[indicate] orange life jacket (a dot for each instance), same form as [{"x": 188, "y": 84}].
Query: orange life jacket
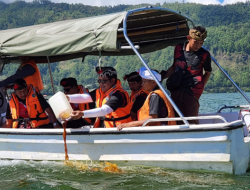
[
  {"x": 121, "y": 115},
  {"x": 144, "y": 111},
  {"x": 35, "y": 79},
  {"x": 36, "y": 114},
  {"x": 83, "y": 106},
  {"x": 135, "y": 95}
]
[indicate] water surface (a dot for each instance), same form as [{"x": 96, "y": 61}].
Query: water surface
[
  {"x": 211, "y": 102},
  {"x": 55, "y": 175}
]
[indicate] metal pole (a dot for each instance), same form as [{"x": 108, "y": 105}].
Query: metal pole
[
  {"x": 231, "y": 80},
  {"x": 51, "y": 79},
  {"x": 145, "y": 64}
]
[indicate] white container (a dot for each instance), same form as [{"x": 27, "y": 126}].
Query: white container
[{"x": 60, "y": 106}]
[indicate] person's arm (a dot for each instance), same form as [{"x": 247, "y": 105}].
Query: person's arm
[
  {"x": 170, "y": 71},
  {"x": 46, "y": 107},
  {"x": 21, "y": 73},
  {"x": 52, "y": 117},
  {"x": 133, "y": 115},
  {"x": 115, "y": 101},
  {"x": 137, "y": 123},
  {"x": 206, "y": 77},
  {"x": 155, "y": 103},
  {"x": 137, "y": 105},
  {"x": 79, "y": 98},
  {"x": 97, "y": 112},
  {"x": 207, "y": 69},
  {"x": 8, "y": 123}
]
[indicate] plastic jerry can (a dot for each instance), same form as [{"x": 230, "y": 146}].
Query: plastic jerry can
[{"x": 60, "y": 106}]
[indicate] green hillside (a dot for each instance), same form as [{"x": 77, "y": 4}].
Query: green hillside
[{"x": 228, "y": 40}]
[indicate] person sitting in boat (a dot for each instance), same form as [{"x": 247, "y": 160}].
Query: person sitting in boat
[
  {"x": 28, "y": 71},
  {"x": 138, "y": 94},
  {"x": 112, "y": 101},
  {"x": 191, "y": 57},
  {"x": 28, "y": 109},
  {"x": 156, "y": 104},
  {"x": 70, "y": 86}
]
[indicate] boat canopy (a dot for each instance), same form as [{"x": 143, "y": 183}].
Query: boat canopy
[{"x": 149, "y": 29}]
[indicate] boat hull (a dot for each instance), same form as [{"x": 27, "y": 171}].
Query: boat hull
[{"x": 213, "y": 149}]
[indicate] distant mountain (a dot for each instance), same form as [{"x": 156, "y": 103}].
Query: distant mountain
[{"x": 228, "y": 40}]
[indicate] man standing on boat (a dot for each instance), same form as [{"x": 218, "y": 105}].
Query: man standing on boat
[
  {"x": 28, "y": 71},
  {"x": 156, "y": 104},
  {"x": 138, "y": 94},
  {"x": 195, "y": 61},
  {"x": 28, "y": 109},
  {"x": 70, "y": 86},
  {"x": 112, "y": 101}
]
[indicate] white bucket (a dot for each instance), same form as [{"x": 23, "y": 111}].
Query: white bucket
[{"x": 60, "y": 106}]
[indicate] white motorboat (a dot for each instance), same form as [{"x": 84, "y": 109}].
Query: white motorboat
[{"x": 216, "y": 144}]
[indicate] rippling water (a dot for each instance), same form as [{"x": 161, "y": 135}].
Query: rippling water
[
  {"x": 211, "y": 102},
  {"x": 23, "y": 175},
  {"x": 56, "y": 175}
]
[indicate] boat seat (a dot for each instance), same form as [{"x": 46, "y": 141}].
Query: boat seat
[{"x": 230, "y": 116}]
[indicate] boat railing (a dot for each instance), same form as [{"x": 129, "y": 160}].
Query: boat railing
[
  {"x": 186, "y": 118},
  {"x": 232, "y": 107}
]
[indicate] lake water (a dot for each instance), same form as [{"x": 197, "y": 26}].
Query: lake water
[
  {"x": 15, "y": 174},
  {"x": 211, "y": 102}
]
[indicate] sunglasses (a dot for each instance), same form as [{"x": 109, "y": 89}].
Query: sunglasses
[
  {"x": 102, "y": 81},
  {"x": 66, "y": 89}
]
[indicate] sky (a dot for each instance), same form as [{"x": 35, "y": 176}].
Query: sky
[{"x": 132, "y": 2}]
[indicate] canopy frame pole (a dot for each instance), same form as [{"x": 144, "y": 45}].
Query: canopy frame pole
[
  {"x": 230, "y": 79},
  {"x": 145, "y": 64},
  {"x": 100, "y": 59},
  {"x": 51, "y": 78}
]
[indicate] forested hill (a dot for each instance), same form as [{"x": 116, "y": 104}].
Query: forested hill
[{"x": 228, "y": 40}]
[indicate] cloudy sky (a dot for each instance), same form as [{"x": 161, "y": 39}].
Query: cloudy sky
[{"x": 115, "y": 2}]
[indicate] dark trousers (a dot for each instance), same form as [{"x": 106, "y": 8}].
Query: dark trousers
[{"x": 187, "y": 103}]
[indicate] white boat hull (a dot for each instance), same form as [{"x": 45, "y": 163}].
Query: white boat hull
[{"x": 207, "y": 147}]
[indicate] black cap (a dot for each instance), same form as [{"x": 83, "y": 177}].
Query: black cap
[
  {"x": 134, "y": 76},
  {"x": 20, "y": 84},
  {"x": 68, "y": 82},
  {"x": 109, "y": 72}
]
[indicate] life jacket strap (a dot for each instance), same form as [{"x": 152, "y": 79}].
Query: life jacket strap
[
  {"x": 37, "y": 118},
  {"x": 21, "y": 119},
  {"x": 116, "y": 119}
]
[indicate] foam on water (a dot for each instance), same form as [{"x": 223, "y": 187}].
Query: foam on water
[{"x": 10, "y": 162}]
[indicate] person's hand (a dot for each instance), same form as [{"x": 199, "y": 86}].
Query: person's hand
[
  {"x": 67, "y": 97},
  {"x": 121, "y": 126},
  {"x": 76, "y": 115},
  {"x": 57, "y": 126},
  {"x": 163, "y": 74}
]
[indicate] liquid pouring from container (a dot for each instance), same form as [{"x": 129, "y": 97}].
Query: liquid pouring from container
[
  {"x": 64, "y": 123},
  {"x": 62, "y": 109}
]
